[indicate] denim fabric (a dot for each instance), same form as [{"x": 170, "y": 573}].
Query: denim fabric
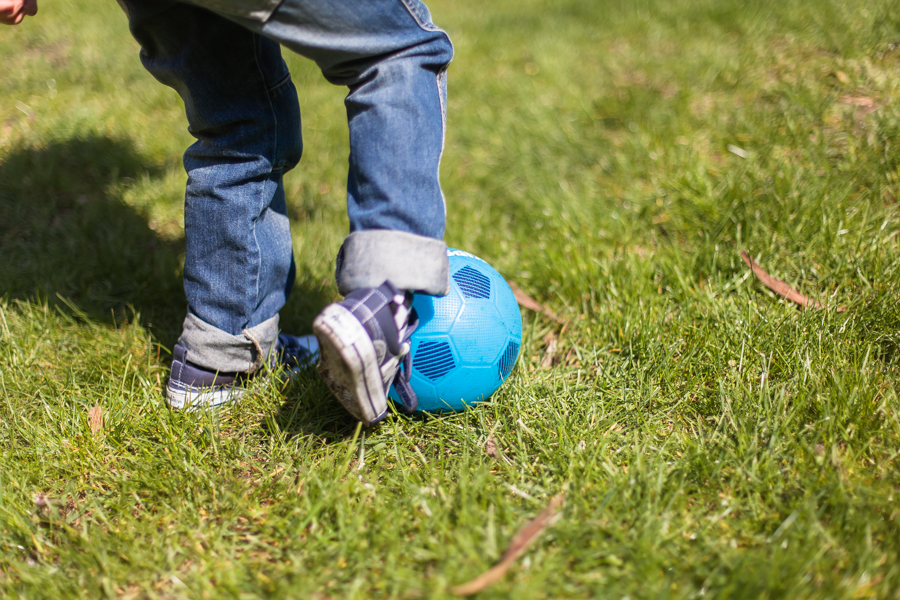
[
  {"x": 429, "y": 273},
  {"x": 393, "y": 60},
  {"x": 213, "y": 349},
  {"x": 224, "y": 60},
  {"x": 258, "y": 10}
]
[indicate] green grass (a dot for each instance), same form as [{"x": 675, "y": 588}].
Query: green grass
[{"x": 713, "y": 440}]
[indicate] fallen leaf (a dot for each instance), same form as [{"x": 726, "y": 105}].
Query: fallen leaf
[
  {"x": 780, "y": 287},
  {"x": 43, "y": 507},
  {"x": 863, "y": 101},
  {"x": 95, "y": 419},
  {"x": 547, "y": 360},
  {"x": 530, "y": 303},
  {"x": 737, "y": 151},
  {"x": 517, "y": 547},
  {"x": 490, "y": 448}
]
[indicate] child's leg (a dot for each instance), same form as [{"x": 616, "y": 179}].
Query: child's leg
[
  {"x": 245, "y": 117},
  {"x": 243, "y": 110},
  {"x": 393, "y": 59},
  {"x": 394, "y": 62}
]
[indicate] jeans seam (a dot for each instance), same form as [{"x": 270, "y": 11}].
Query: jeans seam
[
  {"x": 281, "y": 83},
  {"x": 274, "y": 150},
  {"x": 413, "y": 11},
  {"x": 224, "y": 8},
  {"x": 278, "y": 166},
  {"x": 257, "y": 362},
  {"x": 441, "y": 76}
]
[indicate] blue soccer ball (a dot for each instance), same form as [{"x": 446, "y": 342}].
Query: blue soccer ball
[{"x": 468, "y": 341}]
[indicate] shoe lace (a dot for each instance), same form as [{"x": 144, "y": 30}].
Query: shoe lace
[
  {"x": 290, "y": 354},
  {"x": 407, "y": 321}
]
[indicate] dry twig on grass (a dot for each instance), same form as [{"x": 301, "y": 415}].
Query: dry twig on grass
[
  {"x": 490, "y": 448},
  {"x": 516, "y": 548},
  {"x": 863, "y": 101},
  {"x": 526, "y": 301},
  {"x": 547, "y": 360},
  {"x": 781, "y": 288},
  {"x": 95, "y": 419},
  {"x": 551, "y": 341}
]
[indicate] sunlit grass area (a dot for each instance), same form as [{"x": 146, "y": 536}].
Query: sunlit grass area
[{"x": 612, "y": 158}]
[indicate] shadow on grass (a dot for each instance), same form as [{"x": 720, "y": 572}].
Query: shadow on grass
[
  {"x": 66, "y": 236},
  {"x": 310, "y": 410},
  {"x": 65, "y": 232}
]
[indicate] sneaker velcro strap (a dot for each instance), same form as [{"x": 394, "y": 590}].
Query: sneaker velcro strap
[{"x": 407, "y": 394}]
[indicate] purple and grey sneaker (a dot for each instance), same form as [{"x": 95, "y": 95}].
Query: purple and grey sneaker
[
  {"x": 192, "y": 387},
  {"x": 363, "y": 341}
]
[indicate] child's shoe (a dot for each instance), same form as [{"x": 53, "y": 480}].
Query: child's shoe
[
  {"x": 363, "y": 339},
  {"x": 194, "y": 387}
]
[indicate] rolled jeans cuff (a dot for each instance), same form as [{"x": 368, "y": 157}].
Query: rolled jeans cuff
[
  {"x": 211, "y": 348},
  {"x": 409, "y": 261}
]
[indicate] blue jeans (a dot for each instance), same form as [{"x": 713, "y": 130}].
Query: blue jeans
[{"x": 223, "y": 57}]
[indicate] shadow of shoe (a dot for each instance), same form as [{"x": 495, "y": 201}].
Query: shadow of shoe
[{"x": 309, "y": 410}]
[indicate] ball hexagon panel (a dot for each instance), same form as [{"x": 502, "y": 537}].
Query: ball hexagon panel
[
  {"x": 479, "y": 333},
  {"x": 455, "y": 391},
  {"x": 468, "y": 341},
  {"x": 473, "y": 283},
  {"x": 508, "y": 307},
  {"x": 434, "y": 359},
  {"x": 437, "y": 316}
]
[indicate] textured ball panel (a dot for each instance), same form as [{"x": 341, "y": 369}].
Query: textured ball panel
[
  {"x": 473, "y": 283},
  {"x": 508, "y": 360},
  {"x": 434, "y": 359},
  {"x": 456, "y": 390},
  {"x": 508, "y": 307},
  {"x": 437, "y": 317},
  {"x": 468, "y": 341},
  {"x": 479, "y": 333}
]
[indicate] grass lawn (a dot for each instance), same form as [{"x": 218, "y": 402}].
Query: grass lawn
[{"x": 611, "y": 157}]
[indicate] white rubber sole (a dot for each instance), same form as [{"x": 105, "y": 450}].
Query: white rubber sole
[
  {"x": 190, "y": 400},
  {"x": 349, "y": 365}
]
